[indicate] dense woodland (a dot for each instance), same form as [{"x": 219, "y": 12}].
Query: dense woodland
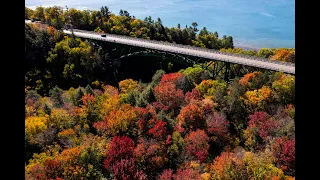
[
  {"x": 124, "y": 24},
  {"x": 84, "y": 122}
]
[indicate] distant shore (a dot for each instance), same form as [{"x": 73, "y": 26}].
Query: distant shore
[
  {"x": 252, "y": 25},
  {"x": 246, "y": 47},
  {"x": 252, "y": 47}
]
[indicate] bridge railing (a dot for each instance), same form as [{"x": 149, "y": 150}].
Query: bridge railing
[{"x": 191, "y": 47}]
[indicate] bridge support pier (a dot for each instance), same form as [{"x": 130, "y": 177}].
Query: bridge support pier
[
  {"x": 227, "y": 71},
  {"x": 221, "y": 70}
]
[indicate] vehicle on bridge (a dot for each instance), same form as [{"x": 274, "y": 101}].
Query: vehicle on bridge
[{"x": 201, "y": 53}]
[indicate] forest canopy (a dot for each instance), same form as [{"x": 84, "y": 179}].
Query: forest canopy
[
  {"x": 156, "y": 131},
  {"x": 105, "y": 21},
  {"x": 85, "y": 120}
]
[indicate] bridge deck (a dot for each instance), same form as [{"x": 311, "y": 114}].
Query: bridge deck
[{"x": 263, "y": 63}]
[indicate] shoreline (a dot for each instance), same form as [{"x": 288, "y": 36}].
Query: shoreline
[
  {"x": 246, "y": 47},
  {"x": 249, "y": 47},
  {"x": 240, "y": 43}
]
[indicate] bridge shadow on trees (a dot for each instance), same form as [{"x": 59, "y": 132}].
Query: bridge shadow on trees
[{"x": 143, "y": 67}]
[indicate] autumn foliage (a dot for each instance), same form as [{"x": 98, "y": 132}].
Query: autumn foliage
[
  {"x": 261, "y": 129},
  {"x": 169, "y": 95},
  {"x": 186, "y": 172},
  {"x": 283, "y": 54},
  {"x": 190, "y": 124},
  {"x": 118, "y": 121},
  {"x": 213, "y": 130},
  {"x": 194, "y": 95},
  {"x": 256, "y": 98},
  {"x": 245, "y": 81},
  {"x": 127, "y": 85},
  {"x": 228, "y": 166},
  {"x": 120, "y": 147},
  {"x": 285, "y": 88},
  {"x": 197, "y": 145},
  {"x": 284, "y": 150},
  {"x": 171, "y": 77},
  {"x": 158, "y": 131},
  {"x": 210, "y": 87},
  {"x": 166, "y": 175},
  {"x": 218, "y": 126},
  {"x": 190, "y": 118}
]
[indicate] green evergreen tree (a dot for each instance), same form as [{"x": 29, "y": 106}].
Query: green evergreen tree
[
  {"x": 156, "y": 78},
  {"x": 56, "y": 96},
  {"x": 78, "y": 96},
  {"x": 89, "y": 90},
  {"x": 47, "y": 109},
  {"x": 33, "y": 95}
]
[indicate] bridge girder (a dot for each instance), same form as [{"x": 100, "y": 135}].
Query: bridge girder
[
  {"x": 222, "y": 70},
  {"x": 261, "y": 63}
]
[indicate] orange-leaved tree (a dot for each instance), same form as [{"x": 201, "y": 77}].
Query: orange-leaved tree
[
  {"x": 118, "y": 121},
  {"x": 190, "y": 118}
]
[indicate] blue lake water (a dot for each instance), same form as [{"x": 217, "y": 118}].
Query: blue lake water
[{"x": 251, "y": 23}]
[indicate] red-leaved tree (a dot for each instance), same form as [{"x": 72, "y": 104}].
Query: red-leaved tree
[
  {"x": 166, "y": 175},
  {"x": 125, "y": 169},
  {"x": 194, "y": 95},
  {"x": 197, "y": 145},
  {"x": 261, "y": 129},
  {"x": 150, "y": 156},
  {"x": 187, "y": 173},
  {"x": 169, "y": 95},
  {"x": 264, "y": 124},
  {"x": 37, "y": 171},
  {"x": 284, "y": 150},
  {"x": 218, "y": 125},
  {"x": 120, "y": 147},
  {"x": 53, "y": 168},
  {"x": 171, "y": 77},
  {"x": 159, "y": 130}
]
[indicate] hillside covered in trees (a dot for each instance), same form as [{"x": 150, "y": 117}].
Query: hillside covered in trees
[
  {"x": 105, "y": 21},
  {"x": 54, "y": 59},
  {"x": 83, "y": 120},
  {"x": 179, "y": 126}
]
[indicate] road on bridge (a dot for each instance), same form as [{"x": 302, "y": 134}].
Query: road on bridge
[{"x": 187, "y": 50}]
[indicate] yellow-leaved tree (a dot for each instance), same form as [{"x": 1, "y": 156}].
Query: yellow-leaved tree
[
  {"x": 285, "y": 89},
  {"x": 35, "y": 125},
  {"x": 256, "y": 98}
]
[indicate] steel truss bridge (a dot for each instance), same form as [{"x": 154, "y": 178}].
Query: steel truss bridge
[{"x": 228, "y": 63}]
